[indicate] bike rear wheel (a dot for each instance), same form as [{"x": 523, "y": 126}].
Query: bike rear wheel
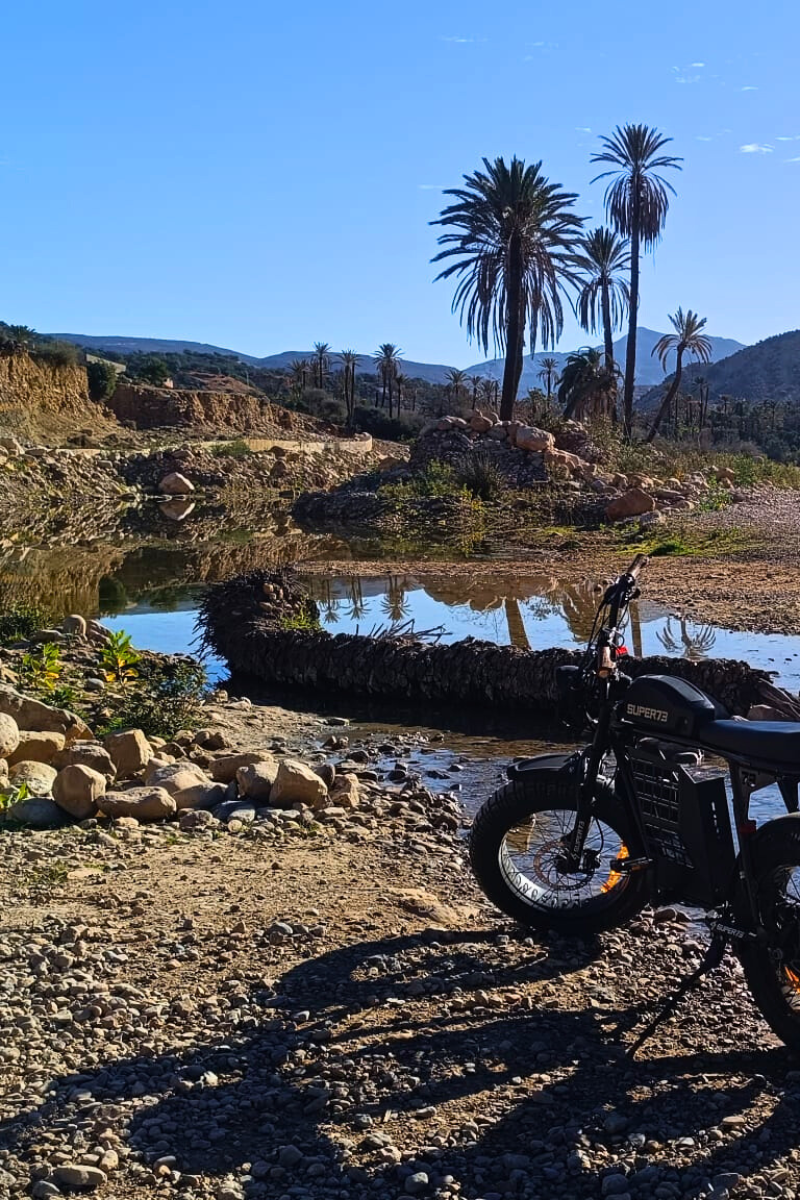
[
  {"x": 516, "y": 841},
  {"x": 773, "y": 970}
]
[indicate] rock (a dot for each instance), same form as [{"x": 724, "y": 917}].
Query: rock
[
  {"x": 73, "y": 1175},
  {"x": 765, "y": 712},
  {"x": 94, "y": 686},
  {"x": 297, "y": 784},
  {"x": 77, "y": 789},
  {"x": 416, "y": 1183},
  {"x": 223, "y": 770},
  {"x": 36, "y": 747},
  {"x": 256, "y": 779},
  {"x": 37, "y": 812},
  {"x": 38, "y": 777},
  {"x": 187, "y": 784},
  {"x": 9, "y": 735},
  {"x": 632, "y": 503},
  {"x": 528, "y": 437},
  {"x": 725, "y": 474},
  {"x": 346, "y": 791},
  {"x": 192, "y": 819},
  {"x": 143, "y": 803},
  {"x": 175, "y": 484},
  {"x": 649, "y": 520},
  {"x": 33, "y": 714},
  {"x": 177, "y": 508},
  {"x": 614, "y": 1185},
  {"x": 130, "y": 751},
  {"x": 479, "y": 423},
  {"x": 86, "y": 754},
  {"x": 289, "y": 1156},
  {"x": 615, "y": 1123},
  {"x": 74, "y": 626}
]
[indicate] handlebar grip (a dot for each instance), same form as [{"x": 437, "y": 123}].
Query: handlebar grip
[{"x": 638, "y": 564}]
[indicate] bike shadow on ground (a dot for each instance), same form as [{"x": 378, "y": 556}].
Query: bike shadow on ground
[{"x": 513, "y": 1097}]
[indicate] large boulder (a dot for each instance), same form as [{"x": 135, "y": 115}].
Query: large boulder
[
  {"x": 143, "y": 803},
  {"x": 297, "y": 784},
  {"x": 346, "y": 792},
  {"x": 130, "y": 751},
  {"x": 77, "y": 790},
  {"x": 255, "y": 781},
  {"x": 9, "y": 735},
  {"x": 176, "y": 484},
  {"x": 479, "y": 423},
  {"x": 37, "y": 812},
  {"x": 188, "y": 785},
  {"x": 33, "y": 714},
  {"x": 37, "y": 777},
  {"x": 36, "y": 747},
  {"x": 86, "y": 754},
  {"x": 223, "y": 770},
  {"x": 528, "y": 437},
  {"x": 632, "y": 503}
]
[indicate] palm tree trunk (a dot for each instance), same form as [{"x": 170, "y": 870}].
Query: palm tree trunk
[
  {"x": 607, "y": 334},
  {"x": 630, "y": 353},
  {"x": 517, "y": 634},
  {"x": 670, "y": 396},
  {"x": 515, "y": 330}
]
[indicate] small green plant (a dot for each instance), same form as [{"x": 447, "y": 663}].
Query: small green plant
[
  {"x": 237, "y": 449},
  {"x": 41, "y": 668},
  {"x": 13, "y": 794},
  {"x": 63, "y": 696},
  {"x": 304, "y": 619},
  {"x": 165, "y": 697},
  {"x": 715, "y": 499},
  {"x": 119, "y": 659},
  {"x": 19, "y": 622}
]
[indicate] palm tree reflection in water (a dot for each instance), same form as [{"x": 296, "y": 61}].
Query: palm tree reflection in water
[{"x": 693, "y": 645}]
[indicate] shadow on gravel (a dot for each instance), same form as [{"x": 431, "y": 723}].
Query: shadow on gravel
[{"x": 313, "y": 1095}]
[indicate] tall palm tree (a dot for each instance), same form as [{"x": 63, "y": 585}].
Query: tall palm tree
[
  {"x": 401, "y": 380},
  {"x": 548, "y": 373},
  {"x": 637, "y": 204},
  {"x": 687, "y": 338},
  {"x": 588, "y": 386},
  {"x": 511, "y": 249},
  {"x": 349, "y": 361},
  {"x": 387, "y": 360},
  {"x": 321, "y": 354},
  {"x": 456, "y": 380},
  {"x": 604, "y": 296},
  {"x": 488, "y": 390},
  {"x": 476, "y": 381}
]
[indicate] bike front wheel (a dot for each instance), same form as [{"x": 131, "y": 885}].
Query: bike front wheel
[{"x": 517, "y": 842}]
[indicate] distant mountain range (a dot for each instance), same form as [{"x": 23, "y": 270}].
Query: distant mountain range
[{"x": 648, "y": 369}]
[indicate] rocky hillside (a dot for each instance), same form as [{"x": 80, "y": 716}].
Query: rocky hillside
[
  {"x": 770, "y": 370},
  {"x": 215, "y": 413},
  {"x": 46, "y": 399}
]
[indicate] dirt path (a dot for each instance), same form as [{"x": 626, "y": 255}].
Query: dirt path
[{"x": 342, "y": 1016}]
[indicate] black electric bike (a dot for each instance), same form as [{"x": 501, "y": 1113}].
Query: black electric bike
[{"x": 580, "y": 843}]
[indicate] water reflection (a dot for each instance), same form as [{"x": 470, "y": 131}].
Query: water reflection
[{"x": 688, "y": 640}]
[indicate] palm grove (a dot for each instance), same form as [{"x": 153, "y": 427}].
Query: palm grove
[{"x": 517, "y": 251}]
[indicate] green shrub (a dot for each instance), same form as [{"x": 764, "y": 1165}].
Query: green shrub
[
  {"x": 480, "y": 476},
  {"x": 19, "y": 622},
  {"x": 41, "y": 667},
  {"x": 165, "y": 697},
  {"x": 119, "y": 660},
  {"x": 237, "y": 449},
  {"x": 390, "y": 429},
  {"x": 102, "y": 378}
]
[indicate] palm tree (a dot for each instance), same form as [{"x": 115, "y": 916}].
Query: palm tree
[
  {"x": 548, "y": 373},
  {"x": 456, "y": 380},
  {"x": 688, "y": 336},
  {"x": 401, "y": 381},
  {"x": 511, "y": 248},
  {"x": 637, "y": 204},
  {"x": 321, "y": 353},
  {"x": 476, "y": 381},
  {"x": 299, "y": 368},
  {"x": 387, "y": 360},
  {"x": 349, "y": 361},
  {"x": 488, "y": 390},
  {"x": 604, "y": 297},
  {"x": 588, "y": 386}
]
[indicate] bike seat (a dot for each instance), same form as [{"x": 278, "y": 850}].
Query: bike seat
[{"x": 775, "y": 741}]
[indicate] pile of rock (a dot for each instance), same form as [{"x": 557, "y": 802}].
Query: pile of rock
[{"x": 53, "y": 771}]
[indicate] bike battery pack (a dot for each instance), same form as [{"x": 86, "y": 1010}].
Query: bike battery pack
[
  {"x": 663, "y": 704},
  {"x": 687, "y": 825}
]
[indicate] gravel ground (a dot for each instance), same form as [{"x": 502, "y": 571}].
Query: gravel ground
[{"x": 338, "y": 1014}]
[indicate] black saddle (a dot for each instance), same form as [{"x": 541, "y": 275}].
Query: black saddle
[{"x": 775, "y": 742}]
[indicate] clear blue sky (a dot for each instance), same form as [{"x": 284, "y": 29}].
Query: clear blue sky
[{"x": 261, "y": 174}]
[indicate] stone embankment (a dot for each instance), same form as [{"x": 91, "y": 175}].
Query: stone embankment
[{"x": 262, "y": 625}]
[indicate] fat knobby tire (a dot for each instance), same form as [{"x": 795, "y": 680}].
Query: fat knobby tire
[{"x": 509, "y": 806}]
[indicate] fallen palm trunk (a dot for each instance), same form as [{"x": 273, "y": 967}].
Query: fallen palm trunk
[{"x": 265, "y": 625}]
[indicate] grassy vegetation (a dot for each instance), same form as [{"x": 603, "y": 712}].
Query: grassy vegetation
[{"x": 235, "y": 449}]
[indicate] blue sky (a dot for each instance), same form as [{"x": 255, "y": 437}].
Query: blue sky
[{"x": 262, "y": 175}]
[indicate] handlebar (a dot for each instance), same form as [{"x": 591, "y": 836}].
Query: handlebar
[{"x": 638, "y": 564}]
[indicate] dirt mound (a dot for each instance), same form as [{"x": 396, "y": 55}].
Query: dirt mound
[{"x": 45, "y": 400}]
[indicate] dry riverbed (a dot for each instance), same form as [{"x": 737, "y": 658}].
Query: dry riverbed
[{"x": 332, "y": 1011}]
